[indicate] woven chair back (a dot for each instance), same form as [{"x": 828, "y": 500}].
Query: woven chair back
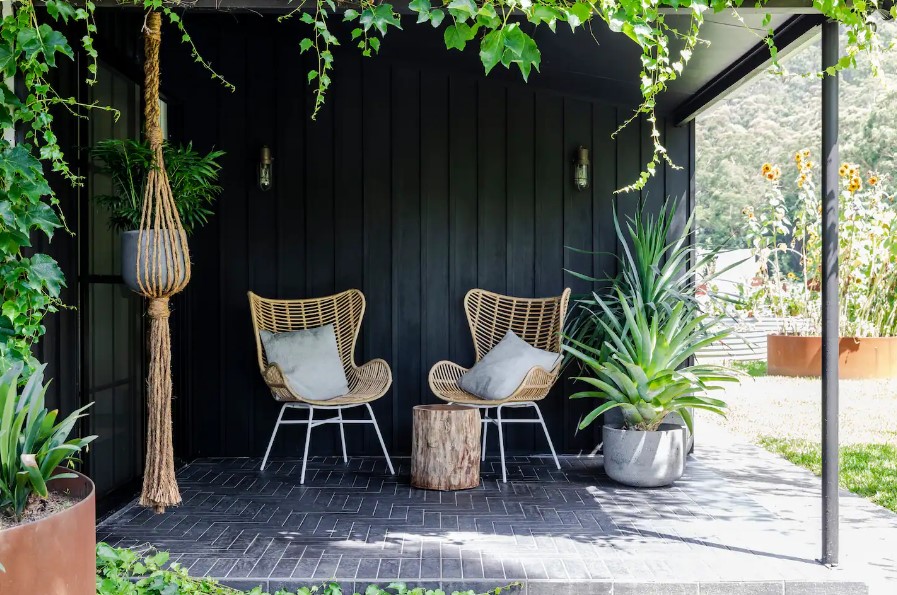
[
  {"x": 343, "y": 310},
  {"x": 538, "y": 321}
]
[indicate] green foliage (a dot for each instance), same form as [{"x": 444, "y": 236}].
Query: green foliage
[
  {"x": 868, "y": 470},
  {"x": 867, "y": 251},
  {"x": 753, "y": 368},
  {"x": 192, "y": 177},
  {"x": 646, "y": 331},
  {"x": 771, "y": 117},
  {"x": 32, "y": 443},
  {"x": 117, "y": 567}
]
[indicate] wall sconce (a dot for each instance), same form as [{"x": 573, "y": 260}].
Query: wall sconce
[
  {"x": 266, "y": 169},
  {"x": 581, "y": 169}
]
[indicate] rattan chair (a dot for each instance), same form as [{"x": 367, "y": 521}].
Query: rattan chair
[
  {"x": 490, "y": 316},
  {"x": 367, "y": 383}
]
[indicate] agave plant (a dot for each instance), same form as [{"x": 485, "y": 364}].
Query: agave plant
[
  {"x": 32, "y": 444},
  {"x": 635, "y": 343},
  {"x": 661, "y": 269}
]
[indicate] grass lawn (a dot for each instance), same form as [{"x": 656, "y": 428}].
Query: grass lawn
[
  {"x": 783, "y": 415},
  {"x": 868, "y": 470}
]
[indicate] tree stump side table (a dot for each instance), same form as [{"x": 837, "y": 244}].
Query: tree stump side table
[{"x": 445, "y": 447}]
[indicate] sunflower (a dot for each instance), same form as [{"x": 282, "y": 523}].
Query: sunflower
[
  {"x": 801, "y": 180},
  {"x": 792, "y": 276},
  {"x": 747, "y": 211},
  {"x": 798, "y": 157},
  {"x": 767, "y": 167},
  {"x": 806, "y": 153},
  {"x": 809, "y": 164},
  {"x": 842, "y": 171},
  {"x": 873, "y": 180},
  {"x": 854, "y": 184}
]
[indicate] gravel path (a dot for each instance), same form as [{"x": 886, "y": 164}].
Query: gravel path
[{"x": 790, "y": 408}]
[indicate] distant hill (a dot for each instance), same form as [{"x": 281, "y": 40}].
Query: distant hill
[{"x": 772, "y": 117}]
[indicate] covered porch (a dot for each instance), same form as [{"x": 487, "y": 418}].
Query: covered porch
[{"x": 419, "y": 180}]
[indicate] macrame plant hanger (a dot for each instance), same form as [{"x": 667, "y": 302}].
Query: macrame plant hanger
[{"x": 163, "y": 269}]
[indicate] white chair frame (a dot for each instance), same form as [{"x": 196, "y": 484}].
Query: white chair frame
[
  {"x": 498, "y": 421},
  {"x": 311, "y": 422}
]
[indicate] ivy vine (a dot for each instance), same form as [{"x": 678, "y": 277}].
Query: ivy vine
[{"x": 32, "y": 44}]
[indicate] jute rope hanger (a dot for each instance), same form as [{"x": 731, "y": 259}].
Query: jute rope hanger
[{"x": 163, "y": 269}]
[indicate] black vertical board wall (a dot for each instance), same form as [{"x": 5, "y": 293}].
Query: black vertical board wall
[{"x": 415, "y": 184}]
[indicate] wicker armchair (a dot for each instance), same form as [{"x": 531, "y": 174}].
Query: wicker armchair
[
  {"x": 367, "y": 383},
  {"x": 490, "y": 315}
]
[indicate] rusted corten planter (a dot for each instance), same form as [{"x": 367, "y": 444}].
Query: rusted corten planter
[
  {"x": 57, "y": 554},
  {"x": 870, "y": 357}
]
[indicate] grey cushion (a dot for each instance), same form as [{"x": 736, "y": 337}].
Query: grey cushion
[
  {"x": 309, "y": 360},
  {"x": 501, "y": 371}
]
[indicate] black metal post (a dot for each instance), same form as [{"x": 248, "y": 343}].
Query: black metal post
[{"x": 830, "y": 332}]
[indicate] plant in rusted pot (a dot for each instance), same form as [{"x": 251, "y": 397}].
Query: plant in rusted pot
[
  {"x": 46, "y": 510},
  {"x": 788, "y": 246}
]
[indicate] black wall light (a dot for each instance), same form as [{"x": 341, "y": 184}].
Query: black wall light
[
  {"x": 266, "y": 169},
  {"x": 581, "y": 169}
]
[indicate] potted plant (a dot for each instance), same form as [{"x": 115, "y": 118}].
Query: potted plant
[
  {"x": 788, "y": 247},
  {"x": 638, "y": 362},
  {"x": 193, "y": 178},
  {"x": 47, "y": 512}
]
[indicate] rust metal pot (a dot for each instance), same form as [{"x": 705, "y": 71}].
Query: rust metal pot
[
  {"x": 868, "y": 357},
  {"x": 57, "y": 554}
]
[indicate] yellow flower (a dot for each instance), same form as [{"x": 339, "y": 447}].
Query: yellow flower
[
  {"x": 810, "y": 164},
  {"x": 806, "y": 153},
  {"x": 802, "y": 180},
  {"x": 747, "y": 211},
  {"x": 853, "y": 171},
  {"x": 842, "y": 171},
  {"x": 792, "y": 276},
  {"x": 798, "y": 157},
  {"x": 873, "y": 180},
  {"x": 854, "y": 184},
  {"x": 767, "y": 167}
]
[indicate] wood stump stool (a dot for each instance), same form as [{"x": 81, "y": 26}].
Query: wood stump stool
[{"x": 445, "y": 447}]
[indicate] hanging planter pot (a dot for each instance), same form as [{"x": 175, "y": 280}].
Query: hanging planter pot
[{"x": 146, "y": 261}]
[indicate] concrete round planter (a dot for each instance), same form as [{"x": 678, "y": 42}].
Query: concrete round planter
[
  {"x": 129, "y": 264},
  {"x": 869, "y": 357},
  {"x": 645, "y": 459},
  {"x": 57, "y": 554}
]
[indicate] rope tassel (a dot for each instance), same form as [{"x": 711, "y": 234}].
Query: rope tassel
[
  {"x": 160, "y": 488},
  {"x": 163, "y": 269}
]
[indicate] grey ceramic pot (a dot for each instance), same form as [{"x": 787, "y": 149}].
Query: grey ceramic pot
[
  {"x": 614, "y": 417},
  {"x": 129, "y": 264},
  {"x": 645, "y": 459}
]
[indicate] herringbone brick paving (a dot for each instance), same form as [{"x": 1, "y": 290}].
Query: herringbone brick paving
[{"x": 355, "y": 522}]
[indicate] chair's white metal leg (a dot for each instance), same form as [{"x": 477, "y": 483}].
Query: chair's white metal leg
[
  {"x": 342, "y": 435},
  {"x": 547, "y": 437},
  {"x": 273, "y": 434},
  {"x": 311, "y": 416},
  {"x": 501, "y": 446},
  {"x": 485, "y": 423},
  {"x": 380, "y": 438}
]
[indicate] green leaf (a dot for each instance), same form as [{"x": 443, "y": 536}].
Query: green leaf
[
  {"x": 456, "y": 36},
  {"x": 305, "y": 45},
  {"x": 350, "y": 14},
  {"x": 436, "y": 17},
  {"x": 491, "y": 49},
  {"x": 422, "y": 8},
  {"x": 462, "y": 9}
]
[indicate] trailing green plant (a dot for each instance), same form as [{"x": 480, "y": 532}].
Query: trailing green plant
[
  {"x": 192, "y": 176},
  {"x": 128, "y": 572},
  {"x": 32, "y": 444},
  {"x": 647, "y": 328},
  {"x": 497, "y": 28}
]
